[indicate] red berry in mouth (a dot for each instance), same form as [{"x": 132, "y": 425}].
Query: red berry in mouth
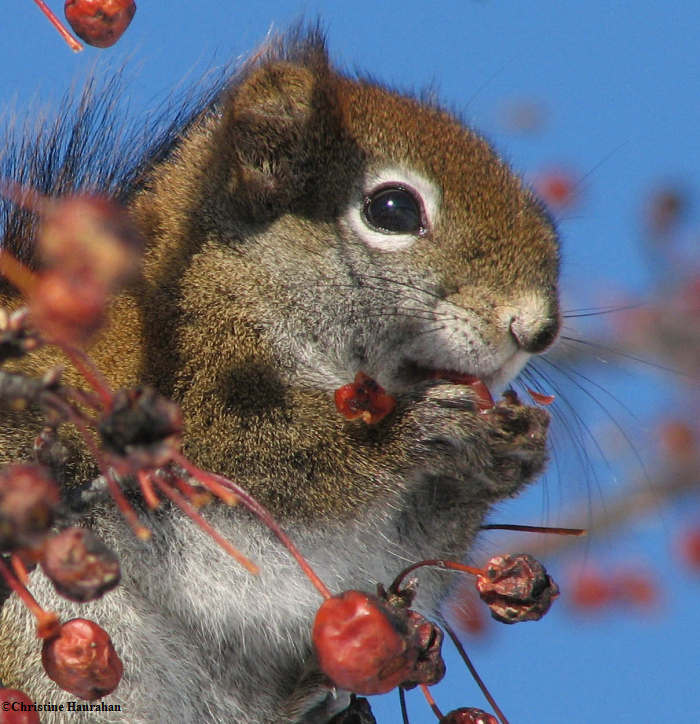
[
  {"x": 99, "y": 22},
  {"x": 484, "y": 400},
  {"x": 82, "y": 660},
  {"x": 364, "y": 398}
]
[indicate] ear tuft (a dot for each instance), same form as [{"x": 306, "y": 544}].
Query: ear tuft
[
  {"x": 279, "y": 94},
  {"x": 276, "y": 123}
]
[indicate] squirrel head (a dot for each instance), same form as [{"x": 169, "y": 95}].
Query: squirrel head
[{"x": 353, "y": 228}]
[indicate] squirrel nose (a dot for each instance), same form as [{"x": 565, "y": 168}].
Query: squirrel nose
[{"x": 534, "y": 335}]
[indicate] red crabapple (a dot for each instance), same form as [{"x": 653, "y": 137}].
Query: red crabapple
[
  {"x": 16, "y": 708},
  {"x": 99, "y": 22},
  {"x": 82, "y": 660}
]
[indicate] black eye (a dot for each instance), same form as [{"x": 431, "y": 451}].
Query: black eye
[{"x": 394, "y": 210}]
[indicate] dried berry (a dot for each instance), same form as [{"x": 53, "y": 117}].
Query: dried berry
[
  {"x": 80, "y": 565},
  {"x": 516, "y": 588},
  {"x": 28, "y": 499},
  {"x": 468, "y": 716},
  {"x": 82, "y": 660},
  {"x": 690, "y": 548},
  {"x": 142, "y": 425},
  {"x": 427, "y": 638},
  {"x": 665, "y": 208},
  {"x": 68, "y": 308},
  {"x": 52, "y": 453},
  {"x": 524, "y": 115},
  {"x": 90, "y": 235},
  {"x": 557, "y": 187},
  {"x": 99, "y": 22},
  {"x": 16, "y": 708},
  {"x": 16, "y": 336},
  {"x": 635, "y": 587},
  {"x": 678, "y": 438},
  {"x": 364, "y": 398},
  {"x": 590, "y": 589}
]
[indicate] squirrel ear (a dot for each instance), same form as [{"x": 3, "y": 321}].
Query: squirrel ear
[{"x": 278, "y": 121}]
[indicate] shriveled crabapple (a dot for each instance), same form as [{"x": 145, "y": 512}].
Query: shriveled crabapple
[
  {"x": 16, "y": 708},
  {"x": 81, "y": 567},
  {"x": 99, "y": 22},
  {"x": 427, "y": 638},
  {"x": 468, "y": 715},
  {"x": 590, "y": 589},
  {"x": 28, "y": 500},
  {"x": 664, "y": 209},
  {"x": 67, "y": 308},
  {"x": 81, "y": 660},
  {"x": 16, "y": 335},
  {"x": 557, "y": 187},
  {"x": 516, "y": 588},
  {"x": 368, "y": 646},
  {"x": 689, "y": 548},
  {"x": 90, "y": 235},
  {"x": 143, "y": 426}
]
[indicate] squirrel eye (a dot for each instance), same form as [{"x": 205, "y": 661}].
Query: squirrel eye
[{"x": 394, "y": 210}]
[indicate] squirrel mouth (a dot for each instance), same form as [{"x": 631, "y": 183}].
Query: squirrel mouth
[{"x": 484, "y": 400}]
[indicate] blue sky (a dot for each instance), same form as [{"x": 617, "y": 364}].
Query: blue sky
[{"x": 621, "y": 82}]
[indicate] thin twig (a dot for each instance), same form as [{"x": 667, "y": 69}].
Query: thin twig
[
  {"x": 73, "y": 44},
  {"x": 474, "y": 673}
]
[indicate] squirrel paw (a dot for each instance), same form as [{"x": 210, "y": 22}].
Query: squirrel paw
[{"x": 445, "y": 435}]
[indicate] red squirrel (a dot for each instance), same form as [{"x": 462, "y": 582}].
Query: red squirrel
[{"x": 304, "y": 226}]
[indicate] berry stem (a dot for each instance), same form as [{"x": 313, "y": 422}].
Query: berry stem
[
  {"x": 140, "y": 530},
  {"x": 473, "y": 672},
  {"x": 259, "y": 510},
  {"x": 86, "y": 367},
  {"x": 76, "y": 418},
  {"x": 47, "y": 621},
  {"x": 196, "y": 496},
  {"x": 146, "y": 484},
  {"x": 19, "y": 569},
  {"x": 535, "y": 529},
  {"x": 429, "y": 698},
  {"x": 207, "y": 480},
  {"x": 435, "y": 563},
  {"x": 402, "y": 704},
  {"x": 73, "y": 44},
  {"x": 190, "y": 511}
]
